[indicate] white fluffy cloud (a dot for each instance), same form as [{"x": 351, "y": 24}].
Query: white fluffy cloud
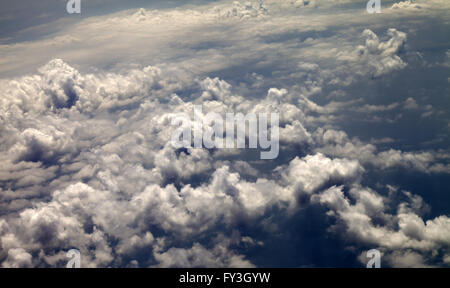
[
  {"x": 134, "y": 181},
  {"x": 86, "y": 155},
  {"x": 399, "y": 235}
]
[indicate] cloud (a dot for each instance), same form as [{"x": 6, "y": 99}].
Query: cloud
[
  {"x": 87, "y": 160},
  {"x": 400, "y": 233},
  {"x": 381, "y": 56},
  {"x": 245, "y": 10},
  {"x": 406, "y": 5},
  {"x": 18, "y": 258},
  {"x": 118, "y": 185},
  {"x": 199, "y": 256},
  {"x": 311, "y": 173}
]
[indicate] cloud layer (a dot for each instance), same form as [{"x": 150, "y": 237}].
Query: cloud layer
[{"x": 87, "y": 160}]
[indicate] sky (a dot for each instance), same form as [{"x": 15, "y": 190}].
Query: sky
[{"x": 86, "y": 102}]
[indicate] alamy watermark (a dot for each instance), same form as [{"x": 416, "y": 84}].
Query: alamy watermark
[
  {"x": 211, "y": 131},
  {"x": 73, "y": 6},
  {"x": 375, "y": 258},
  {"x": 75, "y": 259},
  {"x": 373, "y": 6}
]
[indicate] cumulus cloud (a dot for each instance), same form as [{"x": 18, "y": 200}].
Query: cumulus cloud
[
  {"x": 18, "y": 258},
  {"x": 400, "y": 234},
  {"x": 87, "y": 161},
  {"x": 101, "y": 203},
  {"x": 382, "y": 56},
  {"x": 199, "y": 256},
  {"x": 244, "y": 10},
  {"x": 406, "y": 5}
]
